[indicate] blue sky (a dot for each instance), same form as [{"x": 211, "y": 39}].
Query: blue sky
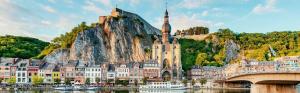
[{"x": 46, "y": 19}]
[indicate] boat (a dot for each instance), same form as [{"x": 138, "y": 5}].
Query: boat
[
  {"x": 78, "y": 87},
  {"x": 163, "y": 85},
  {"x": 91, "y": 88},
  {"x": 63, "y": 88},
  {"x": 161, "y": 91}
]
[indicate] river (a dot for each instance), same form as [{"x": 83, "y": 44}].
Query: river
[{"x": 133, "y": 91}]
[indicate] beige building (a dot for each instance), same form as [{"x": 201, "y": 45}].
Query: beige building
[{"x": 167, "y": 52}]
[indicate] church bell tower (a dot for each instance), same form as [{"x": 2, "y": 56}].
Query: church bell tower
[{"x": 166, "y": 28}]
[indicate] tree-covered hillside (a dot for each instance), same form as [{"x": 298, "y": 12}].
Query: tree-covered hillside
[
  {"x": 21, "y": 47},
  {"x": 211, "y": 51},
  {"x": 194, "y": 31}
]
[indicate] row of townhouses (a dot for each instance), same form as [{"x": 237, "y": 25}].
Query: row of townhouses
[
  {"x": 282, "y": 64},
  {"x": 23, "y": 70}
]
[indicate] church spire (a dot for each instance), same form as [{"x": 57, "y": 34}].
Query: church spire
[
  {"x": 166, "y": 13},
  {"x": 166, "y": 28},
  {"x": 166, "y": 18}
]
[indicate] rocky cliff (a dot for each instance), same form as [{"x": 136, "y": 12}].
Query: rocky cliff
[
  {"x": 232, "y": 50},
  {"x": 121, "y": 36}
]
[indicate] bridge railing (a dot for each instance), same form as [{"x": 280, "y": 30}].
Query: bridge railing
[{"x": 257, "y": 72}]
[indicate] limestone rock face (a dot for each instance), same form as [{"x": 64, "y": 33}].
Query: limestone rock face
[
  {"x": 116, "y": 39},
  {"x": 232, "y": 50},
  {"x": 58, "y": 56}
]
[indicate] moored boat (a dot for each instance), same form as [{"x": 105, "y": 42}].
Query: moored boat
[
  {"x": 91, "y": 88},
  {"x": 63, "y": 88},
  {"x": 78, "y": 87},
  {"x": 163, "y": 85}
]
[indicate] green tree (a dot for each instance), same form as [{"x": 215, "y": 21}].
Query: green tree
[
  {"x": 37, "y": 80},
  {"x": 145, "y": 79},
  {"x": 201, "y": 59},
  {"x": 184, "y": 82},
  {"x": 125, "y": 82},
  {"x": 64, "y": 41},
  {"x": 67, "y": 81},
  {"x": 57, "y": 81},
  {"x": 118, "y": 82},
  {"x": 202, "y": 81},
  {"x": 109, "y": 81},
  {"x": 97, "y": 80},
  {"x": 147, "y": 52},
  {"x": 193, "y": 82},
  {"x": 20, "y": 47},
  {"x": 87, "y": 81},
  {"x": 136, "y": 82},
  {"x": 1, "y": 79},
  {"x": 12, "y": 80}
]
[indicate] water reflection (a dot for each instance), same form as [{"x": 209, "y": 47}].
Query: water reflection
[
  {"x": 131, "y": 91},
  {"x": 221, "y": 91}
]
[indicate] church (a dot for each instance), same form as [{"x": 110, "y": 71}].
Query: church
[{"x": 166, "y": 50}]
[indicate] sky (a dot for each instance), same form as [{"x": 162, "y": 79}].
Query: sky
[{"x": 46, "y": 19}]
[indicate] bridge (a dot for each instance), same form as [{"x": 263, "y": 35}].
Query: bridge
[{"x": 266, "y": 82}]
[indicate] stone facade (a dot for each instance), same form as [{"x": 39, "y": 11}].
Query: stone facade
[{"x": 167, "y": 52}]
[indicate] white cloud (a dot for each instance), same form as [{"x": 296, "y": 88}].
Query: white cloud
[
  {"x": 12, "y": 25},
  {"x": 215, "y": 12},
  {"x": 105, "y": 2},
  {"x": 204, "y": 13},
  {"x": 134, "y": 2},
  {"x": 219, "y": 25},
  {"x": 90, "y": 6},
  {"x": 267, "y": 8},
  {"x": 49, "y": 9},
  {"x": 19, "y": 21},
  {"x": 63, "y": 24},
  {"x": 46, "y": 22},
  {"x": 193, "y": 3},
  {"x": 131, "y": 2},
  {"x": 182, "y": 21}
]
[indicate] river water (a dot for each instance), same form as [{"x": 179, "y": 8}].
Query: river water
[{"x": 133, "y": 91}]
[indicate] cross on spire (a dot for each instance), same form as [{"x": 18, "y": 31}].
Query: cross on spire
[{"x": 166, "y": 4}]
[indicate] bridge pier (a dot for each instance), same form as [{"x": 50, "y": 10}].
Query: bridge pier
[{"x": 273, "y": 88}]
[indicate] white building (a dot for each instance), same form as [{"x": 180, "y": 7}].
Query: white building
[
  {"x": 93, "y": 73},
  {"x": 122, "y": 71},
  {"x": 21, "y": 72}
]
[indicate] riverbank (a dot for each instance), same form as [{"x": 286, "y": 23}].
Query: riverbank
[
  {"x": 108, "y": 88},
  {"x": 224, "y": 88},
  {"x": 127, "y": 91}
]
